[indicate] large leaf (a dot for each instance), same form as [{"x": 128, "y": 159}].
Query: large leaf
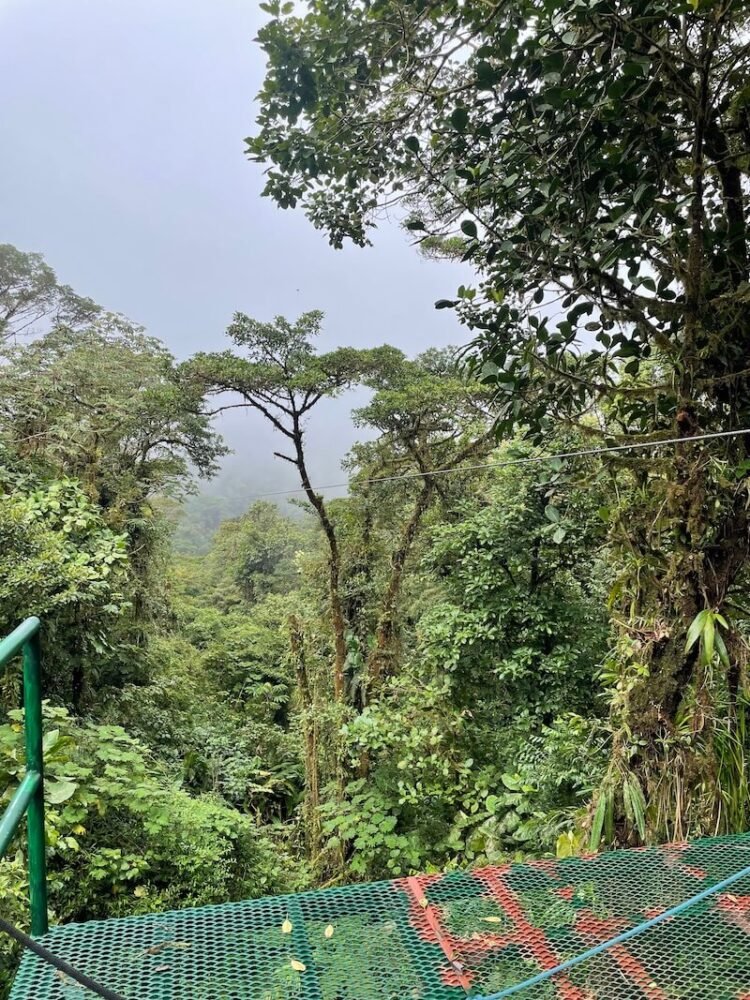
[
  {"x": 59, "y": 791},
  {"x": 598, "y": 824},
  {"x": 695, "y": 630}
]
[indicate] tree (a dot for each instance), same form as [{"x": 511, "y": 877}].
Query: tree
[
  {"x": 59, "y": 560},
  {"x": 103, "y": 404},
  {"x": 101, "y": 407},
  {"x": 283, "y": 378},
  {"x": 589, "y": 158},
  {"x": 489, "y": 718},
  {"x": 30, "y": 294},
  {"x": 431, "y": 420},
  {"x": 256, "y": 551}
]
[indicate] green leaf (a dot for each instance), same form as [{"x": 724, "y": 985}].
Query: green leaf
[
  {"x": 60, "y": 791},
  {"x": 50, "y": 739},
  {"x": 460, "y": 119},
  {"x": 721, "y": 649},
  {"x": 635, "y": 804},
  {"x": 695, "y": 630},
  {"x": 552, "y": 513},
  {"x": 486, "y": 75},
  {"x": 598, "y": 825},
  {"x": 412, "y": 143},
  {"x": 469, "y": 228},
  {"x": 709, "y": 635},
  {"x": 559, "y": 536}
]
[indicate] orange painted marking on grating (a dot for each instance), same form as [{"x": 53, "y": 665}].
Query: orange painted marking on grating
[
  {"x": 459, "y": 951},
  {"x": 698, "y": 873},
  {"x": 456, "y": 975},
  {"x": 530, "y": 936},
  {"x": 602, "y": 930},
  {"x": 736, "y": 909}
]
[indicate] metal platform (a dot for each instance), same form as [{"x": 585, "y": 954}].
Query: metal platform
[{"x": 436, "y": 937}]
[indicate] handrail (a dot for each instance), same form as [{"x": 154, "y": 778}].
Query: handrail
[{"x": 29, "y": 796}]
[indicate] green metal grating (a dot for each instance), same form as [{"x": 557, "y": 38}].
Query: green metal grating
[{"x": 437, "y": 937}]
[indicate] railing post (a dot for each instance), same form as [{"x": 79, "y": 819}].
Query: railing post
[{"x": 32, "y": 699}]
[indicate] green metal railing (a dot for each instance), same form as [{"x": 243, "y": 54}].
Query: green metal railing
[{"x": 29, "y": 796}]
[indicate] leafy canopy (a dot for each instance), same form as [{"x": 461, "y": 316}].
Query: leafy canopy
[
  {"x": 589, "y": 158},
  {"x": 30, "y": 295},
  {"x": 280, "y": 373},
  {"x": 103, "y": 404}
]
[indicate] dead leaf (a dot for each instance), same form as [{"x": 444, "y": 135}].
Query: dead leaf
[
  {"x": 298, "y": 966},
  {"x": 424, "y": 902},
  {"x": 492, "y": 920},
  {"x": 286, "y": 927},
  {"x": 162, "y": 968},
  {"x": 328, "y": 932}
]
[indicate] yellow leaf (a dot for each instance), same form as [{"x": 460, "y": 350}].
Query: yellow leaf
[
  {"x": 424, "y": 903},
  {"x": 492, "y": 920},
  {"x": 298, "y": 966},
  {"x": 140, "y": 891},
  {"x": 328, "y": 932},
  {"x": 286, "y": 927}
]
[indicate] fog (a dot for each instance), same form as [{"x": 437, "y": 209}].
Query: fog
[{"x": 123, "y": 163}]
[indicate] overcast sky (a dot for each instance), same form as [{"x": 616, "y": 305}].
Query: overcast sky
[{"x": 123, "y": 163}]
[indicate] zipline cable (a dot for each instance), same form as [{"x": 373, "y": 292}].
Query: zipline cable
[
  {"x": 58, "y": 963},
  {"x": 526, "y": 460},
  {"x": 571, "y": 963}
]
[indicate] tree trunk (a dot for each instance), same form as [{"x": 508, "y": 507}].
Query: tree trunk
[
  {"x": 670, "y": 706},
  {"x": 310, "y": 731},
  {"x": 381, "y": 656},
  {"x": 338, "y": 622}
]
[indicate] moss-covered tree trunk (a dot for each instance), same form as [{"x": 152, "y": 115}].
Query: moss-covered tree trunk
[
  {"x": 310, "y": 738},
  {"x": 676, "y": 705}
]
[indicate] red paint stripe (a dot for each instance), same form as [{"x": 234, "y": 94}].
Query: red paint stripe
[
  {"x": 637, "y": 973},
  {"x": 601, "y": 930},
  {"x": 428, "y": 914},
  {"x": 533, "y": 938}
]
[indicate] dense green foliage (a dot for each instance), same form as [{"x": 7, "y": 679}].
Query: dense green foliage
[
  {"x": 363, "y": 686},
  {"x": 590, "y": 159},
  {"x": 476, "y": 653}
]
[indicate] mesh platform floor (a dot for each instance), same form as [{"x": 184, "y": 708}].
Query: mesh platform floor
[{"x": 436, "y": 937}]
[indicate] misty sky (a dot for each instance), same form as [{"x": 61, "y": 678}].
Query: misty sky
[{"x": 122, "y": 162}]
